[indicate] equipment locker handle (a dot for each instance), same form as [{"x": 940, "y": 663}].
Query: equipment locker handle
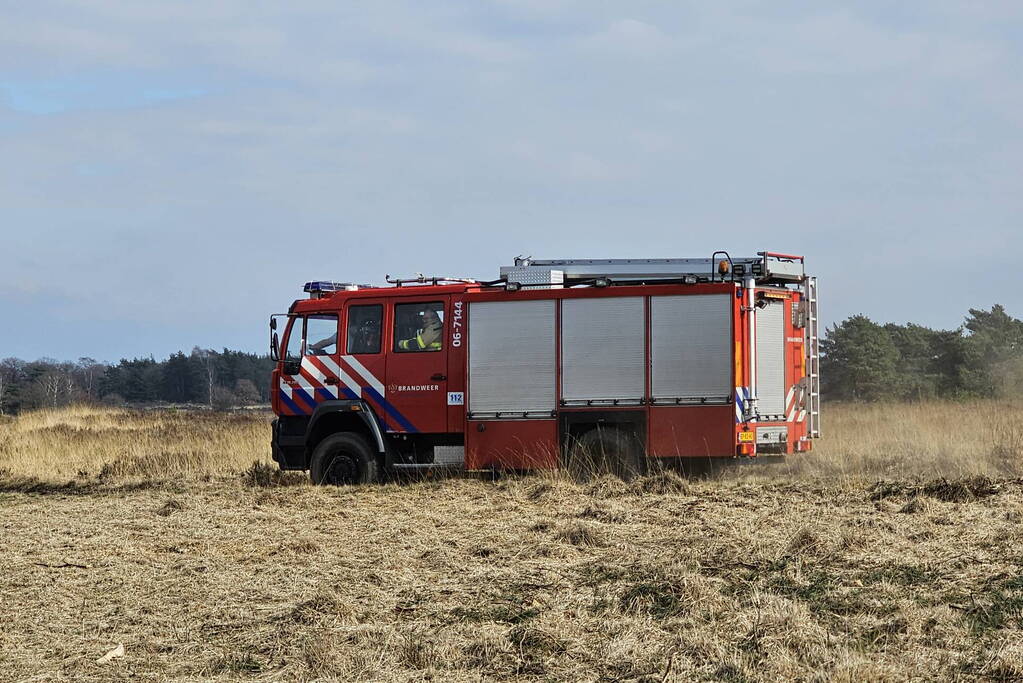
[{"x": 438, "y": 377}]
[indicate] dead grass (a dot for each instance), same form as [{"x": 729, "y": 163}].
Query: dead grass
[
  {"x": 84, "y": 442},
  {"x": 916, "y": 440},
  {"x": 158, "y": 531}
]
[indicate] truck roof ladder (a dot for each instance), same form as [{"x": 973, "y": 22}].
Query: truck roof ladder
[
  {"x": 813, "y": 369},
  {"x": 764, "y": 267}
]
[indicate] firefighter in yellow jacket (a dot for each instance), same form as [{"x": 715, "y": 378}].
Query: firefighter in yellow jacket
[{"x": 428, "y": 337}]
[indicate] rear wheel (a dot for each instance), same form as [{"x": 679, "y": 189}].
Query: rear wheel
[
  {"x": 342, "y": 459},
  {"x": 606, "y": 450}
]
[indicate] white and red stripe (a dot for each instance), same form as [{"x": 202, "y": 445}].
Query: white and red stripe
[{"x": 365, "y": 374}]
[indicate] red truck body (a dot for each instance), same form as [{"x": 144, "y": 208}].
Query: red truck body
[{"x": 714, "y": 364}]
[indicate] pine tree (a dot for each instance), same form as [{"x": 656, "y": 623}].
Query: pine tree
[{"x": 859, "y": 361}]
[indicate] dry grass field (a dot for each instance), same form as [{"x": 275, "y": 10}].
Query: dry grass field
[{"x": 892, "y": 552}]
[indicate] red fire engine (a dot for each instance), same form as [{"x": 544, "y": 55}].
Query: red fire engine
[{"x": 590, "y": 364}]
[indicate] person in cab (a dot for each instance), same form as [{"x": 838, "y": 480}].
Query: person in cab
[{"x": 428, "y": 337}]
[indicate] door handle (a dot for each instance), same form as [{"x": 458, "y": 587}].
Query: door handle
[
  {"x": 438, "y": 377},
  {"x": 330, "y": 380}
]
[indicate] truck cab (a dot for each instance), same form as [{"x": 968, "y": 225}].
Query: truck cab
[{"x": 373, "y": 362}]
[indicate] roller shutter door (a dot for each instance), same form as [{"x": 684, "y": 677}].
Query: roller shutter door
[
  {"x": 691, "y": 348},
  {"x": 511, "y": 358},
  {"x": 603, "y": 350},
  {"x": 770, "y": 322}
]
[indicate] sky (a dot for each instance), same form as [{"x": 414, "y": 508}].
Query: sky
[{"x": 171, "y": 173}]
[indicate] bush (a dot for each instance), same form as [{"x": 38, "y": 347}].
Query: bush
[
  {"x": 246, "y": 392},
  {"x": 265, "y": 475},
  {"x": 223, "y": 399}
]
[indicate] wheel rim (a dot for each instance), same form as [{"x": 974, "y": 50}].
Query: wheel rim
[{"x": 343, "y": 469}]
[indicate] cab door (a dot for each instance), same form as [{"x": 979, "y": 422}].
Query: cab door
[
  {"x": 417, "y": 365},
  {"x": 307, "y": 378},
  {"x": 363, "y": 357}
]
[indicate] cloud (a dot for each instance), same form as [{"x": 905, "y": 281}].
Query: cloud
[
  {"x": 210, "y": 157},
  {"x": 840, "y": 43},
  {"x": 629, "y": 37}
]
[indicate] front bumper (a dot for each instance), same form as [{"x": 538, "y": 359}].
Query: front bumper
[{"x": 287, "y": 450}]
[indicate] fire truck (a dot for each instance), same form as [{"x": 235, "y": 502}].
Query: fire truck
[{"x": 593, "y": 365}]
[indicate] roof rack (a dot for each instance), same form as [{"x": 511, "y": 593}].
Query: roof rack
[
  {"x": 421, "y": 279},
  {"x": 765, "y": 267}
]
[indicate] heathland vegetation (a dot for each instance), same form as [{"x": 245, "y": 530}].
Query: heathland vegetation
[{"x": 890, "y": 552}]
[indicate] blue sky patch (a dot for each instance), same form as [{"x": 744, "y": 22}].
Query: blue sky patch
[{"x": 97, "y": 92}]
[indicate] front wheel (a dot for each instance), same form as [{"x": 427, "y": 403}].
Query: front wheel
[{"x": 343, "y": 459}]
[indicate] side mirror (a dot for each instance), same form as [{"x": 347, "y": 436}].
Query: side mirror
[{"x": 275, "y": 343}]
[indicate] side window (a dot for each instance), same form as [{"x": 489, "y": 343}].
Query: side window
[
  {"x": 321, "y": 335},
  {"x": 419, "y": 327},
  {"x": 364, "y": 323},
  {"x": 295, "y": 336}
]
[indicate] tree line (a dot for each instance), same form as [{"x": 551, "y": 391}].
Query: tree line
[
  {"x": 860, "y": 360},
  {"x": 218, "y": 379},
  {"x": 866, "y": 361}
]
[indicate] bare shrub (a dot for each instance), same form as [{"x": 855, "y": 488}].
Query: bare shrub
[
  {"x": 303, "y": 547},
  {"x": 661, "y": 483},
  {"x": 607, "y": 487},
  {"x": 222, "y": 399},
  {"x": 246, "y": 393},
  {"x": 326, "y": 604},
  {"x": 264, "y": 475},
  {"x": 806, "y": 541},
  {"x": 657, "y": 592},
  {"x": 535, "y": 645},
  {"x": 962, "y": 490},
  {"x": 603, "y": 513},
  {"x": 915, "y": 505},
  {"x": 417, "y": 650},
  {"x": 170, "y": 507},
  {"x": 578, "y": 533}
]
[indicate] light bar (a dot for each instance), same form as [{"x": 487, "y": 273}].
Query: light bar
[{"x": 320, "y": 286}]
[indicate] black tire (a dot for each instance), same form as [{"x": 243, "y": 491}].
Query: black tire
[
  {"x": 343, "y": 459},
  {"x": 606, "y": 450}
]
